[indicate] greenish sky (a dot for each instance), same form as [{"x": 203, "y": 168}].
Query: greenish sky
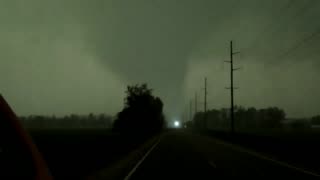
[{"x": 77, "y": 56}]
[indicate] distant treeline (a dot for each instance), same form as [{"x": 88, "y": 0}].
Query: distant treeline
[
  {"x": 68, "y": 121},
  {"x": 250, "y": 118},
  {"x": 315, "y": 120}
]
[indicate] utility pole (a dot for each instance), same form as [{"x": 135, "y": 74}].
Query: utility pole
[
  {"x": 231, "y": 86},
  {"x": 190, "y": 110},
  {"x": 205, "y": 103},
  {"x": 196, "y": 103},
  {"x": 205, "y": 95}
]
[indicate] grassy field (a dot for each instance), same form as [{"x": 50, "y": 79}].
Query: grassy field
[
  {"x": 300, "y": 149},
  {"x": 78, "y": 153}
]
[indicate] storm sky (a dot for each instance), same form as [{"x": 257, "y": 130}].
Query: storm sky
[{"x": 78, "y": 56}]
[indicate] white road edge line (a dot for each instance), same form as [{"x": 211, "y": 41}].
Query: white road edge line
[
  {"x": 235, "y": 147},
  {"x": 141, "y": 160}
]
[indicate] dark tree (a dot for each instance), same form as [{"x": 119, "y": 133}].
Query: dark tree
[
  {"x": 68, "y": 121},
  {"x": 246, "y": 118},
  {"x": 142, "y": 113},
  {"x": 315, "y": 120},
  {"x": 300, "y": 124},
  {"x": 271, "y": 117}
]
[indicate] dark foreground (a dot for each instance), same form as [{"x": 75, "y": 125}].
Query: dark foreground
[
  {"x": 182, "y": 155},
  {"x": 77, "y": 154}
]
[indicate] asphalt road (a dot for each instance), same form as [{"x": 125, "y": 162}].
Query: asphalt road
[{"x": 183, "y": 155}]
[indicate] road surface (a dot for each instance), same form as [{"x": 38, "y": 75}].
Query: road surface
[{"x": 183, "y": 155}]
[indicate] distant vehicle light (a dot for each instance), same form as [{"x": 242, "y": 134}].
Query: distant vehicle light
[{"x": 176, "y": 124}]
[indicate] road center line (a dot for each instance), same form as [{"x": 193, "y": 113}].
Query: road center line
[
  {"x": 238, "y": 148},
  {"x": 141, "y": 160},
  {"x": 212, "y": 164}
]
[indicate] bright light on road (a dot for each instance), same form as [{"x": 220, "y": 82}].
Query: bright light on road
[{"x": 176, "y": 124}]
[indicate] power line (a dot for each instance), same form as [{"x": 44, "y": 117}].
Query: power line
[
  {"x": 298, "y": 13},
  {"x": 299, "y": 44},
  {"x": 268, "y": 25}
]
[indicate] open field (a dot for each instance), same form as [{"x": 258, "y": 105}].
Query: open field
[
  {"x": 78, "y": 153},
  {"x": 300, "y": 149}
]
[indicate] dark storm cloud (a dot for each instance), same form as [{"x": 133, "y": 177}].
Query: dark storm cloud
[
  {"x": 69, "y": 52},
  {"x": 149, "y": 41},
  {"x": 278, "y": 43},
  {"x": 47, "y": 66}
]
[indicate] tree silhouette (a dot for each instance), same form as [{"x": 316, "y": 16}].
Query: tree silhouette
[
  {"x": 315, "y": 120},
  {"x": 253, "y": 118},
  {"x": 68, "y": 121},
  {"x": 142, "y": 113}
]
